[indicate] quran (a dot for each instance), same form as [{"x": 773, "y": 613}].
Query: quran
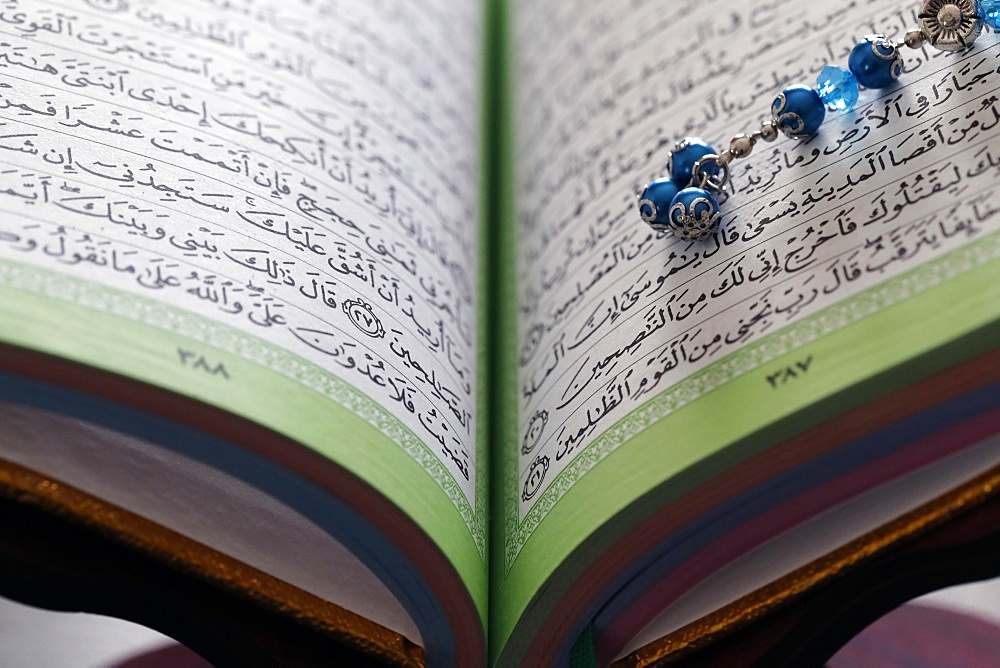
[{"x": 356, "y": 294}]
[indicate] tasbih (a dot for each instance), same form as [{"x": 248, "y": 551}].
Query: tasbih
[{"x": 686, "y": 201}]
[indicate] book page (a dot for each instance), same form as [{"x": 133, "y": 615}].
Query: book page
[
  {"x": 620, "y": 327},
  {"x": 821, "y": 535},
  {"x": 288, "y": 185}
]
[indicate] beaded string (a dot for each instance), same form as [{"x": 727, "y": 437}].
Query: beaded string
[{"x": 686, "y": 201}]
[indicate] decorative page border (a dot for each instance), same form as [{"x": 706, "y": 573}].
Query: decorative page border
[
  {"x": 748, "y": 359},
  {"x": 28, "y": 278}
]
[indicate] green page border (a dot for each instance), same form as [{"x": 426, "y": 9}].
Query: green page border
[
  {"x": 75, "y": 319},
  {"x": 766, "y": 350},
  {"x": 850, "y": 341}
]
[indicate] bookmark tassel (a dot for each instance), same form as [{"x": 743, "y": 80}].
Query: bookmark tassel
[{"x": 686, "y": 201}]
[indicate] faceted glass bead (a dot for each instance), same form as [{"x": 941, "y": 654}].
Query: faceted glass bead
[
  {"x": 838, "y": 88},
  {"x": 694, "y": 214},
  {"x": 687, "y": 152},
  {"x": 798, "y": 111},
  {"x": 989, "y": 12},
  {"x": 654, "y": 202},
  {"x": 876, "y": 62}
]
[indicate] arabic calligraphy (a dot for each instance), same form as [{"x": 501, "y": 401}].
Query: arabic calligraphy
[
  {"x": 304, "y": 173},
  {"x": 612, "y": 313}
]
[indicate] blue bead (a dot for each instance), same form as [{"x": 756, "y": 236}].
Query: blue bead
[
  {"x": 654, "y": 202},
  {"x": 798, "y": 111},
  {"x": 876, "y": 61},
  {"x": 838, "y": 88},
  {"x": 687, "y": 152},
  {"x": 989, "y": 12},
  {"x": 694, "y": 214}
]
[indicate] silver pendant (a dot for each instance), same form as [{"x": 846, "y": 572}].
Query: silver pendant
[{"x": 950, "y": 25}]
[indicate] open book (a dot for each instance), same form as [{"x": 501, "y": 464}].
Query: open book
[{"x": 357, "y": 293}]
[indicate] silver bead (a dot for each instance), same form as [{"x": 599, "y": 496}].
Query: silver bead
[
  {"x": 768, "y": 131},
  {"x": 950, "y": 25},
  {"x": 915, "y": 39},
  {"x": 741, "y": 145}
]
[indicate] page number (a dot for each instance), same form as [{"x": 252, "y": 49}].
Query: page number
[{"x": 194, "y": 360}]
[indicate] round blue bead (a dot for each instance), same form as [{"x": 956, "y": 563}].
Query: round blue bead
[
  {"x": 694, "y": 214},
  {"x": 876, "y": 61},
  {"x": 989, "y": 12},
  {"x": 798, "y": 111},
  {"x": 687, "y": 152},
  {"x": 654, "y": 202}
]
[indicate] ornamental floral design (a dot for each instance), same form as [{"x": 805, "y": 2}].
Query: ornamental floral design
[{"x": 950, "y": 25}]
